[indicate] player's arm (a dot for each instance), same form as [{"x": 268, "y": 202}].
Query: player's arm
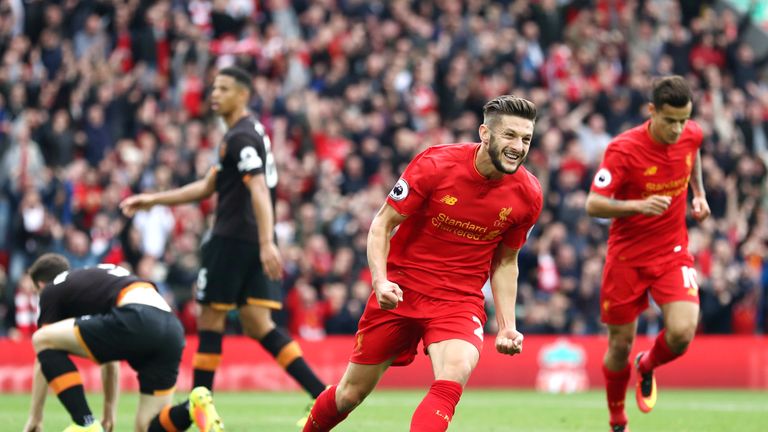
[
  {"x": 388, "y": 294},
  {"x": 700, "y": 205},
  {"x": 504, "y": 273},
  {"x": 261, "y": 201},
  {"x": 39, "y": 393},
  {"x": 110, "y": 381},
  {"x": 195, "y": 191},
  {"x": 602, "y": 206}
]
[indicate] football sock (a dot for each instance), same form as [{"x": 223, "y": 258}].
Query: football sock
[
  {"x": 324, "y": 415},
  {"x": 435, "y": 411},
  {"x": 64, "y": 379},
  {"x": 289, "y": 356},
  {"x": 659, "y": 354},
  {"x": 616, "y": 391},
  {"x": 206, "y": 359},
  {"x": 171, "y": 419}
]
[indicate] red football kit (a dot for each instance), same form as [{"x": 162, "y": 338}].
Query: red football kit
[
  {"x": 647, "y": 251},
  {"x": 440, "y": 255}
]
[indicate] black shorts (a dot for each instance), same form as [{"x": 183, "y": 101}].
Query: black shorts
[
  {"x": 231, "y": 276},
  {"x": 151, "y": 340}
]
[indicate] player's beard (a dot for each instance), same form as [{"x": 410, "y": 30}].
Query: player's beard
[{"x": 497, "y": 158}]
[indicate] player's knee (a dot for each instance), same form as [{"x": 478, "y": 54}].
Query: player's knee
[
  {"x": 620, "y": 347},
  {"x": 41, "y": 340},
  {"x": 680, "y": 336},
  {"x": 349, "y": 397},
  {"x": 257, "y": 328},
  {"x": 458, "y": 371}
]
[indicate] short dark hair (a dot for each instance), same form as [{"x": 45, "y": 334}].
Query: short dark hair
[
  {"x": 241, "y": 76},
  {"x": 509, "y": 105},
  {"x": 671, "y": 90},
  {"x": 47, "y": 267}
]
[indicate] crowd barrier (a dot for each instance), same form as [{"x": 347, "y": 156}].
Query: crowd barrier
[{"x": 548, "y": 363}]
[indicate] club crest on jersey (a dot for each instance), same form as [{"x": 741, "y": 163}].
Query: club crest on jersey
[
  {"x": 400, "y": 191},
  {"x": 504, "y": 213},
  {"x": 603, "y": 178},
  {"x": 503, "y": 216}
]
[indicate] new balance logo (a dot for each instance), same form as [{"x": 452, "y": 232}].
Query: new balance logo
[
  {"x": 448, "y": 199},
  {"x": 651, "y": 171}
]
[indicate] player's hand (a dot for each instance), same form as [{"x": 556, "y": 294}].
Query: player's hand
[
  {"x": 509, "y": 341},
  {"x": 701, "y": 209},
  {"x": 108, "y": 424},
  {"x": 388, "y": 294},
  {"x": 134, "y": 203},
  {"x": 655, "y": 205},
  {"x": 271, "y": 261},
  {"x": 33, "y": 425}
]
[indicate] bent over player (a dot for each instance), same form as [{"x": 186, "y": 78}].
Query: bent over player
[
  {"x": 642, "y": 184},
  {"x": 106, "y": 314},
  {"x": 463, "y": 211}
]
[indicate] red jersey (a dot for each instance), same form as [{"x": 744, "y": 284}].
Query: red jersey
[
  {"x": 635, "y": 166},
  {"x": 456, "y": 218}
]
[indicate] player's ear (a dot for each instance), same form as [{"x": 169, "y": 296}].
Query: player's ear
[
  {"x": 484, "y": 133},
  {"x": 651, "y": 108}
]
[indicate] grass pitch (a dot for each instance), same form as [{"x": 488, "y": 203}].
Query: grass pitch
[{"x": 478, "y": 411}]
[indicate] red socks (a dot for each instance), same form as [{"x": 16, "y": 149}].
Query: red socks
[
  {"x": 432, "y": 415},
  {"x": 659, "y": 354},
  {"x": 324, "y": 415},
  {"x": 616, "y": 391},
  {"x": 435, "y": 411}
]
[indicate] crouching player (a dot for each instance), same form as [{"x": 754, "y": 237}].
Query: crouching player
[{"x": 106, "y": 314}]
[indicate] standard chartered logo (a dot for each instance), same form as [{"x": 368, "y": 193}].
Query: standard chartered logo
[{"x": 463, "y": 228}]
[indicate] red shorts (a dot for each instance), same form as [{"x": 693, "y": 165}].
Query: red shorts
[
  {"x": 624, "y": 293},
  {"x": 395, "y": 334}
]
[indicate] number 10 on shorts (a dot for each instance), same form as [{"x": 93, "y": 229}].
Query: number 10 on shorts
[{"x": 689, "y": 277}]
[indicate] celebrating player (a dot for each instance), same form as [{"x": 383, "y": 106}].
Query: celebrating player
[
  {"x": 241, "y": 263},
  {"x": 642, "y": 183},
  {"x": 106, "y": 314},
  {"x": 463, "y": 212}
]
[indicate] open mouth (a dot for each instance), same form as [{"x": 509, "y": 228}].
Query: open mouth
[{"x": 511, "y": 156}]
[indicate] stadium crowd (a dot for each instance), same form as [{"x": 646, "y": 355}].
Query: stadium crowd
[{"x": 101, "y": 99}]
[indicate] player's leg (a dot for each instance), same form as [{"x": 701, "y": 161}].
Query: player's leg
[
  {"x": 383, "y": 338},
  {"x": 218, "y": 283},
  {"x": 156, "y": 359},
  {"x": 210, "y": 325},
  {"x": 617, "y": 371},
  {"x": 258, "y": 325},
  {"x": 154, "y": 414},
  {"x": 453, "y": 361},
  {"x": 680, "y": 321},
  {"x": 336, "y": 402},
  {"x": 676, "y": 290},
  {"x": 53, "y": 344},
  {"x": 623, "y": 296}
]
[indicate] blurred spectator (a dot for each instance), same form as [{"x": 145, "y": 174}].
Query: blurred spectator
[
  {"x": 307, "y": 313},
  {"x": 25, "y": 302}
]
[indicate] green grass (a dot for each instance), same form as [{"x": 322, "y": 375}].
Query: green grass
[{"x": 481, "y": 411}]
